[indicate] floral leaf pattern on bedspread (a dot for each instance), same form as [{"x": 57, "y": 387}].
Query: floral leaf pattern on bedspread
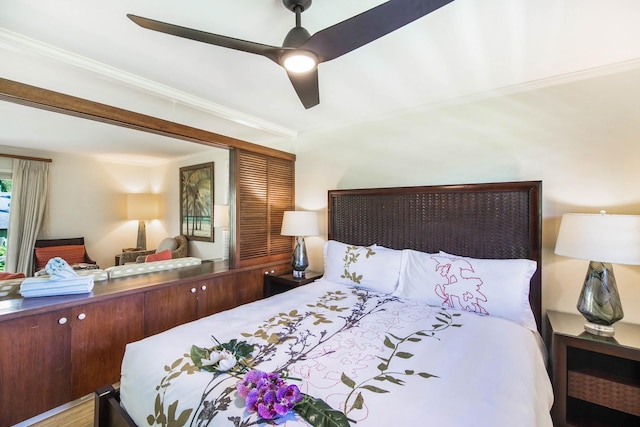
[
  {"x": 355, "y": 327},
  {"x": 167, "y": 416},
  {"x": 351, "y": 256}
]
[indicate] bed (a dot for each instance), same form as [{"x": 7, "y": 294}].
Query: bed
[{"x": 428, "y": 312}]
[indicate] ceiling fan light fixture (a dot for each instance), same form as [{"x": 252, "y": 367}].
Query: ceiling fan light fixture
[
  {"x": 301, "y": 52},
  {"x": 299, "y": 61}
]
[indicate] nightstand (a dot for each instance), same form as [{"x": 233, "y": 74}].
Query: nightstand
[
  {"x": 596, "y": 380},
  {"x": 275, "y": 284}
]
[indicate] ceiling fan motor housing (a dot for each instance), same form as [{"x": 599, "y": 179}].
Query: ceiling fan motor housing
[
  {"x": 296, "y": 37},
  {"x": 291, "y": 4}
]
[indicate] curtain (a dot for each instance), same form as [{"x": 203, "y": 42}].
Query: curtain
[{"x": 29, "y": 194}]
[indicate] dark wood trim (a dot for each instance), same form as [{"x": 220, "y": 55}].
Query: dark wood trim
[
  {"x": 108, "y": 412},
  {"x": 36, "y": 159},
  {"x": 107, "y": 409},
  {"x": 32, "y": 96}
]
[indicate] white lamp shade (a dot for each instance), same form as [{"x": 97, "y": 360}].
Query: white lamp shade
[
  {"x": 220, "y": 215},
  {"x": 300, "y": 223},
  {"x": 600, "y": 237},
  {"x": 141, "y": 206}
]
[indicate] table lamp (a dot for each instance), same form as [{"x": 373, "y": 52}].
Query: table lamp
[
  {"x": 299, "y": 224},
  {"x": 601, "y": 239},
  {"x": 142, "y": 206},
  {"x": 221, "y": 220}
]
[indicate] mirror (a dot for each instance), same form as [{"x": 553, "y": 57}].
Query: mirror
[{"x": 88, "y": 192}]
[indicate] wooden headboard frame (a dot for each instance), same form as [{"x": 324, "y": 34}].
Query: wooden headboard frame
[{"x": 497, "y": 220}]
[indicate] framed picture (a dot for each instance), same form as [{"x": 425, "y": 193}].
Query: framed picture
[{"x": 196, "y": 202}]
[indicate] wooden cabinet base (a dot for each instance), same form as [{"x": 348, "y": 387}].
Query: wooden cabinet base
[
  {"x": 69, "y": 347},
  {"x": 596, "y": 380},
  {"x": 53, "y": 358},
  {"x": 34, "y": 365},
  {"x": 99, "y": 339}
]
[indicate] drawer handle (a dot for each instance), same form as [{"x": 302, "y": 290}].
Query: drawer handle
[
  {"x": 193, "y": 290},
  {"x": 204, "y": 287},
  {"x": 82, "y": 316},
  {"x": 62, "y": 320}
]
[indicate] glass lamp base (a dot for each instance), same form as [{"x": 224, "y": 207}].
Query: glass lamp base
[
  {"x": 599, "y": 300},
  {"x": 600, "y": 330},
  {"x": 299, "y": 262}
]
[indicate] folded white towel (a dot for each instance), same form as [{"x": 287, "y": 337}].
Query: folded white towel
[
  {"x": 63, "y": 281},
  {"x": 59, "y": 269},
  {"x": 31, "y": 284},
  {"x": 59, "y": 290}
]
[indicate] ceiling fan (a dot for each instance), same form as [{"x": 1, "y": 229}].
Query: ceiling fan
[{"x": 301, "y": 52}]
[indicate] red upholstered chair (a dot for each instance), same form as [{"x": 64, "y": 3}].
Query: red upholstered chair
[{"x": 71, "y": 250}]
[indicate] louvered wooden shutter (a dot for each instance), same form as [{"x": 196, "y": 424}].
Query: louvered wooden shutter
[
  {"x": 264, "y": 190},
  {"x": 281, "y": 179}
]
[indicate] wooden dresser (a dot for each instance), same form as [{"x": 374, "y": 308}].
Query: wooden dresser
[{"x": 57, "y": 349}]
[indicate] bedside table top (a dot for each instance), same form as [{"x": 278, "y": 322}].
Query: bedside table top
[
  {"x": 572, "y": 325},
  {"x": 309, "y": 276}
]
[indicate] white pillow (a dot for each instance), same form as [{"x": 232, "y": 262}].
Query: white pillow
[
  {"x": 372, "y": 267},
  {"x": 496, "y": 287},
  {"x": 167, "y": 243}
]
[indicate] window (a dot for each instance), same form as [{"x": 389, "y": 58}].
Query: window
[{"x": 5, "y": 204}]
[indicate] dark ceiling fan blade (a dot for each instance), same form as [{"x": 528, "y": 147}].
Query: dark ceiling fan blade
[
  {"x": 306, "y": 86},
  {"x": 368, "y": 26},
  {"x": 272, "y": 52},
  {"x": 326, "y": 44}
]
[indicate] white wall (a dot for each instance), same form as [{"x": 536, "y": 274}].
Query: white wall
[
  {"x": 581, "y": 139},
  {"x": 88, "y": 199}
]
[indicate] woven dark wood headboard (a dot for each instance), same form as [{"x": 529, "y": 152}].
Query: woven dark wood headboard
[{"x": 498, "y": 220}]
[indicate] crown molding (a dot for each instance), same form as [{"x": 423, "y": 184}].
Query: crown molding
[
  {"x": 532, "y": 85},
  {"x": 15, "y": 40}
]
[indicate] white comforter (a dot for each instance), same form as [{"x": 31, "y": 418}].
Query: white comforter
[{"x": 470, "y": 370}]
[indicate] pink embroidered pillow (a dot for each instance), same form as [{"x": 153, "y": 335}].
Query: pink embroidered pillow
[
  {"x": 159, "y": 256},
  {"x": 496, "y": 287}
]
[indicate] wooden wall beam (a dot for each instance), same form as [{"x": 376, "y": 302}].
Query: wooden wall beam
[{"x": 24, "y": 94}]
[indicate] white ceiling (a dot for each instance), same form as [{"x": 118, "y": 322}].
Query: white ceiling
[{"x": 464, "y": 51}]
